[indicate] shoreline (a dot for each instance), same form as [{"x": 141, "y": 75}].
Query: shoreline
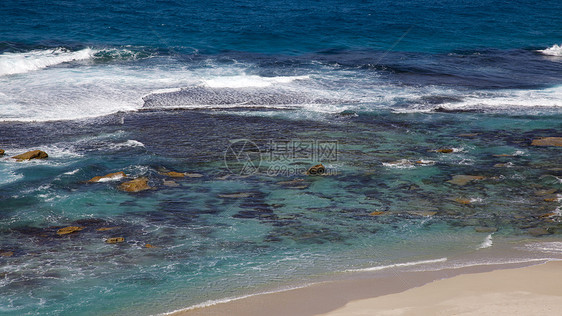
[{"x": 342, "y": 296}]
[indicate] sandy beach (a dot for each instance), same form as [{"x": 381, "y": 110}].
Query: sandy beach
[
  {"x": 535, "y": 290},
  {"x": 483, "y": 290}
]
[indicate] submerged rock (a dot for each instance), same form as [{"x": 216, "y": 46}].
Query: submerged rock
[
  {"x": 34, "y": 154},
  {"x": 136, "y": 185},
  {"x": 377, "y": 213},
  {"x": 1, "y": 152},
  {"x": 69, "y": 230},
  {"x": 149, "y": 246},
  {"x": 423, "y": 213},
  {"x": 464, "y": 179},
  {"x": 103, "y": 229},
  {"x": 539, "y": 231},
  {"x": 193, "y": 175},
  {"x": 545, "y": 192},
  {"x": 483, "y": 229},
  {"x": 445, "y": 150},
  {"x": 547, "y": 141},
  {"x": 236, "y": 195},
  {"x": 174, "y": 174},
  {"x": 6, "y": 254},
  {"x": 170, "y": 183},
  {"x": 115, "y": 240},
  {"x": 316, "y": 170},
  {"x": 107, "y": 177},
  {"x": 462, "y": 201}
]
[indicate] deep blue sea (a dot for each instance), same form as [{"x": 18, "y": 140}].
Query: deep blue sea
[{"x": 399, "y": 100}]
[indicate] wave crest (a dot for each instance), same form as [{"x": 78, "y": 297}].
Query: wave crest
[
  {"x": 15, "y": 63},
  {"x": 554, "y": 50}
]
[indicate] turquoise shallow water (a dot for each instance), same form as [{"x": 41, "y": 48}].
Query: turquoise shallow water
[{"x": 223, "y": 234}]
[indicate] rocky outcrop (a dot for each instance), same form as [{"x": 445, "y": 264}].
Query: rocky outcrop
[
  {"x": 136, "y": 185},
  {"x": 69, "y": 230},
  {"x": 34, "y": 154},
  {"x": 115, "y": 240},
  {"x": 108, "y": 177},
  {"x": 547, "y": 141},
  {"x": 316, "y": 170}
]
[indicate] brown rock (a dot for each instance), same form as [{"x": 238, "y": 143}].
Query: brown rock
[
  {"x": 377, "y": 213},
  {"x": 464, "y": 179},
  {"x": 316, "y": 170},
  {"x": 115, "y": 240},
  {"x": 445, "y": 150},
  {"x": 6, "y": 254},
  {"x": 482, "y": 229},
  {"x": 536, "y": 232},
  {"x": 136, "y": 185},
  {"x": 462, "y": 201},
  {"x": 34, "y": 154},
  {"x": 69, "y": 230},
  {"x": 2, "y": 152},
  {"x": 109, "y": 176},
  {"x": 552, "y": 199},
  {"x": 103, "y": 229},
  {"x": 547, "y": 141},
  {"x": 174, "y": 174},
  {"x": 149, "y": 246}
]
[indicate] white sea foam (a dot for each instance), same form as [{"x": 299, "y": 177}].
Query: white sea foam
[
  {"x": 128, "y": 143},
  {"x": 112, "y": 178},
  {"x": 9, "y": 176},
  {"x": 554, "y": 247},
  {"x": 554, "y": 50},
  {"x": 487, "y": 242},
  {"x": 245, "y": 81},
  {"x": 400, "y": 164},
  {"x": 506, "y": 99},
  {"x": 398, "y": 265},
  {"x": 15, "y": 63},
  {"x": 72, "y": 172}
]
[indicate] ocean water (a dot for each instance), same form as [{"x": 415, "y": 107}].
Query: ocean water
[{"x": 244, "y": 97}]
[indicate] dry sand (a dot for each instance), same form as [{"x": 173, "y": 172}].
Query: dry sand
[{"x": 535, "y": 290}]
